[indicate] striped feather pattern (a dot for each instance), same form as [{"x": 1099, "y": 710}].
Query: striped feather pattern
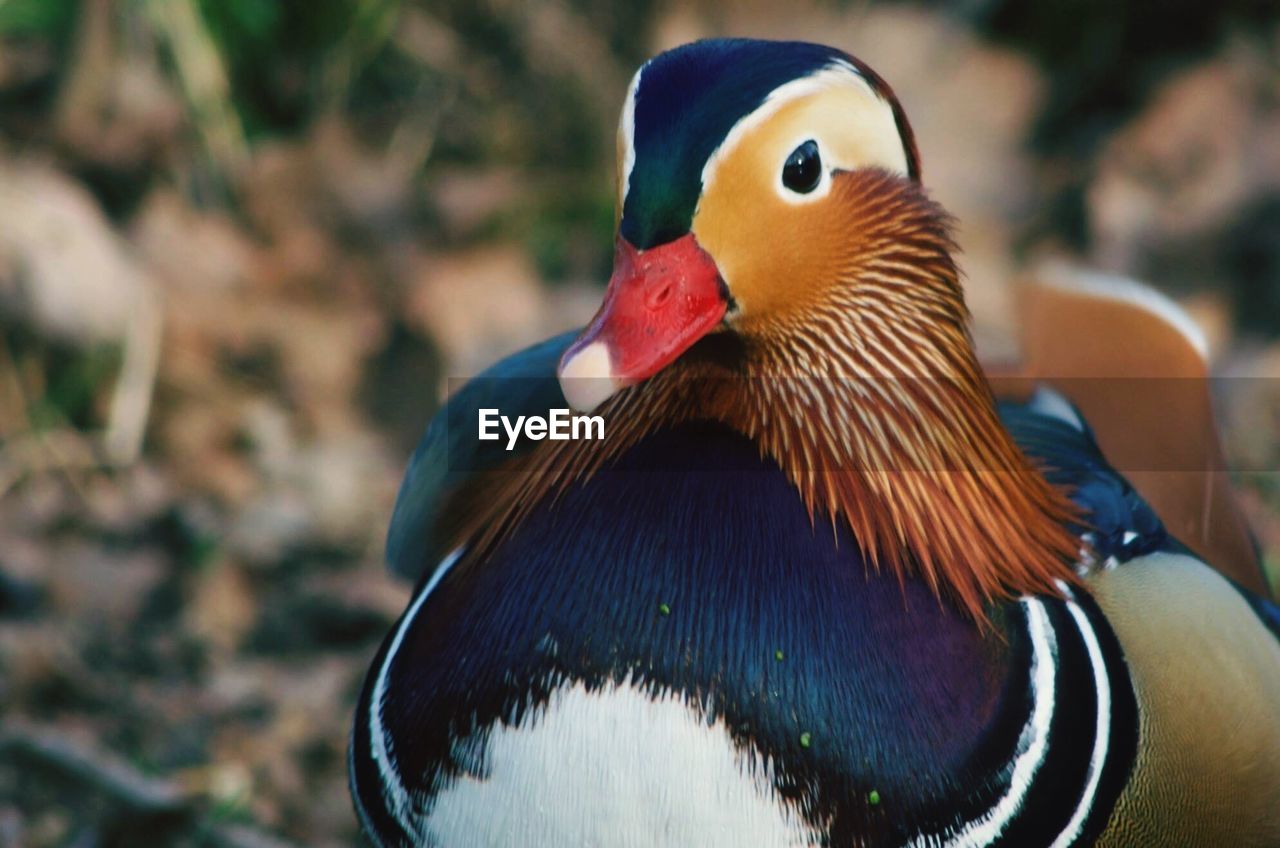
[{"x": 871, "y": 399}]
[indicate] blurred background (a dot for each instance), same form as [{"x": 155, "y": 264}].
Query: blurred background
[{"x": 244, "y": 243}]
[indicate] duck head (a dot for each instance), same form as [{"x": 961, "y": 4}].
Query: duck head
[
  {"x": 770, "y": 205},
  {"x": 753, "y": 177}
]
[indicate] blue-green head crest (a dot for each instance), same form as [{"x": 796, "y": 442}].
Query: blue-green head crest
[{"x": 684, "y": 103}]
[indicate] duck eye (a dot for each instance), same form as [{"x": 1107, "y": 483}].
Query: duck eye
[{"x": 803, "y": 169}]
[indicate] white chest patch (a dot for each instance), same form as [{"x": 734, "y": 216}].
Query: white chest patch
[{"x": 612, "y": 768}]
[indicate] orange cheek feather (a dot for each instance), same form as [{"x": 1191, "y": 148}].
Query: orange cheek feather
[{"x": 776, "y": 257}]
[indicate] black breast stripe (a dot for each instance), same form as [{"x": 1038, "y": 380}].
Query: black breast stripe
[{"x": 1076, "y": 749}]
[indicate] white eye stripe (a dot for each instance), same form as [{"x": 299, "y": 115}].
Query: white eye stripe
[
  {"x": 835, "y": 74},
  {"x": 877, "y": 140},
  {"x": 890, "y": 155}
]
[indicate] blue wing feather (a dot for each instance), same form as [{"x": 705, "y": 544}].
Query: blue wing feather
[
  {"x": 1120, "y": 522},
  {"x": 449, "y": 453}
]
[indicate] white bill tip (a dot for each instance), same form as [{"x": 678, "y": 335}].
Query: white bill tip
[{"x": 586, "y": 378}]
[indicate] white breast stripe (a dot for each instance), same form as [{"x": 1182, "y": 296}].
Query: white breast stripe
[
  {"x": 1033, "y": 742},
  {"x": 392, "y": 787},
  {"x": 1102, "y": 733}
]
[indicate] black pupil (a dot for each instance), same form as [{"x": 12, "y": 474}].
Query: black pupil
[{"x": 803, "y": 170}]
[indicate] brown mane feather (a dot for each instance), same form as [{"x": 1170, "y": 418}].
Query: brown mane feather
[{"x": 872, "y": 401}]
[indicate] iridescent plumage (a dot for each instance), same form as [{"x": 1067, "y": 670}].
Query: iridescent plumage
[{"x": 816, "y": 587}]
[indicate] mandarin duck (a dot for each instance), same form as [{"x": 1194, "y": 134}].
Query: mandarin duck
[{"x": 819, "y": 584}]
